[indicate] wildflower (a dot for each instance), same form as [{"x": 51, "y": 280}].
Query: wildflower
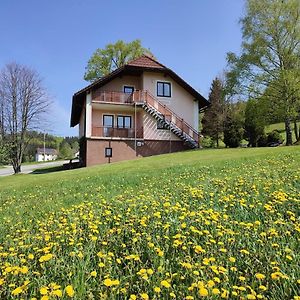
[
  {"x": 57, "y": 293},
  {"x": 157, "y": 289},
  {"x": 17, "y": 291},
  {"x": 93, "y": 273},
  {"x": 144, "y": 296},
  {"x": 108, "y": 282},
  {"x": 215, "y": 291},
  {"x": 70, "y": 291},
  {"x": 43, "y": 290},
  {"x": 165, "y": 284},
  {"x": 46, "y": 257},
  {"x": 203, "y": 292},
  {"x": 260, "y": 276}
]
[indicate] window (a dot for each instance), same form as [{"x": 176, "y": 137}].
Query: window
[
  {"x": 128, "y": 89},
  {"x": 108, "y": 152},
  {"x": 124, "y": 121},
  {"x": 108, "y": 121},
  {"x": 163, "y": 89}
]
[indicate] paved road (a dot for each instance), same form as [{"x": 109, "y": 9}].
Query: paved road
[{"x": 8, "y": 170}]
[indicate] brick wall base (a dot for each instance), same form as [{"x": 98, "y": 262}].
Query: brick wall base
[{"x": 124, "y": 150}]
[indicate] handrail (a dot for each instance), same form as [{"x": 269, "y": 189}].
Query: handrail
[
  {"x": 170, "y": 115},
  {"x": 111, "y": 96},
  {"x": 104, "y": 131}
]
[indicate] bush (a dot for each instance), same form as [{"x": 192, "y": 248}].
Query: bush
[
  {"x": 207, "y": 142},
  {"x": 274, "y": 137},
  {"x": 262, "y": 141}
]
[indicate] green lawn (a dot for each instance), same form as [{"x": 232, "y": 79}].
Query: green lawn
[{"x": 208, "y": 223}]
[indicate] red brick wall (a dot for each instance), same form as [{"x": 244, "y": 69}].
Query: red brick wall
[{"x": 124, "y": 150}]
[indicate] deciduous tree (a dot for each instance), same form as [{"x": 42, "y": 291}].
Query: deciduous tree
[
  {"x": 269, "y": 64},
  {"x": 23, "y": 102},
  {"x": 113, "y": 56}
]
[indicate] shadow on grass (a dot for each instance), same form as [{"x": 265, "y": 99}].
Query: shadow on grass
[{"x": 48, "y": 170}]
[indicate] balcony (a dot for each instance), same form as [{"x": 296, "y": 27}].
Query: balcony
[
  {"x": 115, "y": 132},
  {"x": 112, "y": 97}
]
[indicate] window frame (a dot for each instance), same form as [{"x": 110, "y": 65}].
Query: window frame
[
  {"x": 108, "y": 152},
  {"x": 123, "y": 117},
  {"x": 113, "y": 121},
  {"x": 163, "y": 94},
  {"x": 128, "y": 86}
]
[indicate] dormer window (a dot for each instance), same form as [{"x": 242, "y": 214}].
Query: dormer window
[{"x": 163, "y": 89}]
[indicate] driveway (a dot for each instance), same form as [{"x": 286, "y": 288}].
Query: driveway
[{"x": 25, "y": 169}]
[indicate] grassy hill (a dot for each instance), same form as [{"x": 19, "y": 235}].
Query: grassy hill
[{"x": 205, "y": 223}]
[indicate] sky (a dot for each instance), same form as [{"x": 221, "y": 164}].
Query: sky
[{"x": 57, "y": 38}]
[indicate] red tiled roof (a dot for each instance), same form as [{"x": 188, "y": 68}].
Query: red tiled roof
[{"x": 146, "y": 62}]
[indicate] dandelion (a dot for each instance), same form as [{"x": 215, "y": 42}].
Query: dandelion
[
  {"x": 93, "y": 273},
  {"x": 165, "y": 284},
  {"x": 203, "y": 292},
  {"x": 260, "y": 276},
  {"x": 70, "y": 291}
]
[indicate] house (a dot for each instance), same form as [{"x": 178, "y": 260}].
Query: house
[
  {"x": 142, "y": 108},
  {"x": 45, "y": 154}
]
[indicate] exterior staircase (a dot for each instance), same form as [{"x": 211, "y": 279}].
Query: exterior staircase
[{"x": 167, "y": 118}]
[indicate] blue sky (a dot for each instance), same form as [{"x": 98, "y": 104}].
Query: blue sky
[{"x": 58, "y": 37}]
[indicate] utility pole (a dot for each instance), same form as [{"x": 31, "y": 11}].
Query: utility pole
[
  {"x": 134, "y": 124},
  {"x": 44, "y": 146}
]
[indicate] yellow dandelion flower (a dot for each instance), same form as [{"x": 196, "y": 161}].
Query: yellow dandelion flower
[
  {"x": 203, "y": 292},
  {"x": 93, "y": 273},
  {"x": 144, "y": 296},
  {"x": 215, "y": 291},
  {"x": 165, "y": 284},
  {"x": 260, "y": 276},
  {"x": 70, "y": 291},
  {"x": 44, "y": 290},
  {"x": 17, "y": 291},
  {"x": 57, "y": 293}
]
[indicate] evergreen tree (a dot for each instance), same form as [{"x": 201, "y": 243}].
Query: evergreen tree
[
  {"x": 254, "y": 122},
  {"x": 233, "y": 125},
  {"x": 213, "y": 119}
]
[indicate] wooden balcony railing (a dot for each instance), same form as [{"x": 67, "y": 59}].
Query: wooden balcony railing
[
  {"x": 112, "y": 97},
  {"x": 100, "y": 131}
]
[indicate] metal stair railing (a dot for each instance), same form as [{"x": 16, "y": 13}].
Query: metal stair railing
[{"x": 176, "y": 124}]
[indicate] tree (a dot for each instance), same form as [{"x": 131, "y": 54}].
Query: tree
[
  {"x": 213, "y": 118},
  {"x": 233, "y": 124},
  {"x": 254, "y": 122},
  {"x": 113, "y": 56},
  {"x": 269, "y": 64},
  {"x": 23, "y": 102},
  {"x": 65, "y": 151}
]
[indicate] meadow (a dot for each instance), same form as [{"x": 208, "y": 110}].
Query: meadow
[{"x": 212, "y": 224}]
